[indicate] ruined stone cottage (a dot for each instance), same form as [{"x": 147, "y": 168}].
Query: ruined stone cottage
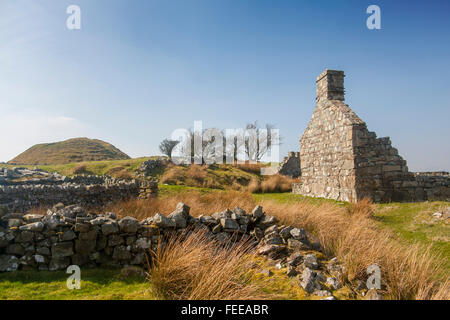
[{"x": 341, "y": 159}]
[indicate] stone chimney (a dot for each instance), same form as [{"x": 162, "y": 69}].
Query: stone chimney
[{"x": 330, "y": 85}]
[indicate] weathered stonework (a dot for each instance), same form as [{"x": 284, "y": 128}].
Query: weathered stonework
[
  {"x": 290, "y": 166},
  {"x": 22, "y": 189},
  {"x": 342, "y": 160}
]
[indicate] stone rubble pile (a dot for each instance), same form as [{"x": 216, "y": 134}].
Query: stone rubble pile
[{"x": 68, "y": 235}]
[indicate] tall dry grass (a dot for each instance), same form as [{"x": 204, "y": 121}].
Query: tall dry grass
[
  {"x": 254, "y": 168},
  {"x": 192, "y": 175},
  {"x": 200, "y": 203},
  {"x": 409, "y": 271},
  {"x": 273, "y": 183},
  {"x": 193, "y": 267}
]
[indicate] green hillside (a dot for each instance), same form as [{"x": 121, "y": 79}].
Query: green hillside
[{"x": 69, "y": 151}]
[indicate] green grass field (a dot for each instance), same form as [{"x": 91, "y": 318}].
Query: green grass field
[
  {"x": 109, "y": 167},
  {"x": 104, "y": 284}
]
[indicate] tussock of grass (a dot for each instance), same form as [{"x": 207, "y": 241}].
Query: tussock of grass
[
  {"x": 271, "y": 184},
  {"x": 194, "y": 267}
]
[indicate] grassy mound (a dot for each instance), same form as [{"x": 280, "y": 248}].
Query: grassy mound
[{"x": 72, "y": 150}]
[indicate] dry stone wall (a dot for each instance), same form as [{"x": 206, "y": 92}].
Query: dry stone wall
[
  {"x": 342, "y": 160},
  {"x": 68, "y": 235},
  {"x": 290, "y": 166},
  {"x": 22, "y": 189}
]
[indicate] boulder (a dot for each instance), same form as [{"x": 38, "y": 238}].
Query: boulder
[
  {"x": 229, "y": 224},
  {"x": 163, "y": 222},
  {"x": 267, "y": 221},
  {"x": 309, "y": 281},
  {"x": 35, "y": 226},
  {"x": 67, "y": 235},
  {"x": 298, "y": 234},
  {"x": 84, "y": 246},
  {"x": 15, "y": 249},
  {"x": 268, "y": 249},
  {"x": 110, "y": 227},
  {"x": 90, "y": 235},
  {"x": 143, "y": 243},
  {"x": 129, "y": 225},
  {"x": 62, "y": 249},
  {"x": 99, "y": 221},
  {"x": 121, "y": 253},
  {"x": 179, "y": 218},
  {"x": 183, "y": 209},
  {"x": 115, "y": 240},
  {"x": 14, "y": 223},
  {"x": 25, "y": 236},
  {"x": 52, "y": 221},
  {"x": 310, "y": 261},
  {"x": 285, "y": 232},
  {"x": 333, "y": 283},
  {"x": 43, "y": 251},
  {"x": 30, "y": 218},
  {"x": 8, "y": 263},
  {"x": 295, "y": 259},
  {"x": 257, "y": 213},
  {"x": 39, "y": 258},
  {"x": 297, "y": 245},
  {"x": 208, "y": 220}
]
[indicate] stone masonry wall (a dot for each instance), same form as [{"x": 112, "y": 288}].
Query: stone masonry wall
[
  {"x": 68, "y": 235},
  {"x": 47, "y": 189},
  {"x": 290, "y": 166},
  {"x": 342, "y": 160},
  {"x": 326, "y": 154}
]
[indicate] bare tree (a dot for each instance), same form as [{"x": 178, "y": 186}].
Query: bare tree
[
  {"x": 251, "y": 144},
  {"x": 166, "y": 147},
  {"x": 209, "y": 144},
  {"x": 259, "y": 141}
]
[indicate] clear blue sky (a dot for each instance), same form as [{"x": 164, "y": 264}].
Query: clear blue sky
[{"x": 137, "y": 70}]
